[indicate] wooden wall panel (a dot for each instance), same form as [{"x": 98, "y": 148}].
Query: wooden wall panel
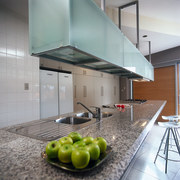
[{"x": 162, "y": 88}]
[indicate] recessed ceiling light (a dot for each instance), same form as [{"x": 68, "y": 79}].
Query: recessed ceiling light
[{"x": 144, "y": 36}]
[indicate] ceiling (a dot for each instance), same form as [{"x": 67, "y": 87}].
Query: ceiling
[
  {"x": 159, "y": 20},
  {"x": 162, "y": 9}
]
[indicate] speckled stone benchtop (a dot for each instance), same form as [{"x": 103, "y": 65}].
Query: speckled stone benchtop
[{"x": 124, "y": 131}]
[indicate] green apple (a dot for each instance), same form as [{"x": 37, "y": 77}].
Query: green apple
[
  {"x": 75, "y": 136},
  {"x": 94, "y": 151},
  {"x": 65, "y": 140},
  {"x": 88, "y": 140},
  {"x": 52, "y": 149},
  {"x": 80, "y": 157},
  {"x": 64, "y": 153},
  {"x": 79, "y": 144},
  {"x": 101, "y": 142}
]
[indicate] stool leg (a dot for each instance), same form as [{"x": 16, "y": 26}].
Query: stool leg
[
  {"x": 175, "y": 133},
  {"x": 178, "y": 136},
  {"x": 167, "y": 149},
  {"x": 176, "y": 140},
  {"x": 160, "y": 144},
  {"x": 171, "y": 139},
  {"x": 178, "y": 133}
]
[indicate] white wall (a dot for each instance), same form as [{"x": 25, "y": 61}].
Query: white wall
[
  {"x": 16, "y": 68},
  {"x": 93, "y": 88}
]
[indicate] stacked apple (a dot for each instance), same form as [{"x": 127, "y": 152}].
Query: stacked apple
[{"x": 76, "y": 150}]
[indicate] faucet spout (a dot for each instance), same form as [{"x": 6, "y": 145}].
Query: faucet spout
[
  {"x": 98, "y": 111},
  {"x": 86, "y": 108}
]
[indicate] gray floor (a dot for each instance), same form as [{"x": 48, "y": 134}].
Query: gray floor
[{"x": 143, "y": 167}]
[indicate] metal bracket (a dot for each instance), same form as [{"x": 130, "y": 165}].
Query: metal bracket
[
  {"x": 137, "y": 17},
  {"x": 103, "y": 5}
]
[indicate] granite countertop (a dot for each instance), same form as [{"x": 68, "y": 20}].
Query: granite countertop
[{"x": 124, "y": 131}]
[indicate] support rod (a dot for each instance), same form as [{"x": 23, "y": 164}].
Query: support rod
[
  {"x": 119, "y": 18},
  {"x": 131, "y": 89},
  {"x": 137, "y": 17},
  {"x": 150, "y": 51},
  {"x": 137, "y": 22},
  {"x": 103, "y": 5}
]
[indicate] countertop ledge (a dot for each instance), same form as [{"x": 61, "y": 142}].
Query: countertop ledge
[{"x": 124, "y": 131}]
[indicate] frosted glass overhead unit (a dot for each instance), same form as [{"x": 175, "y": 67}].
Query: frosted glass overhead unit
[{"x": 78, "y": 32}]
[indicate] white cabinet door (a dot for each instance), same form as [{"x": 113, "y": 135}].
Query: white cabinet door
[
  {"x": 48, "y": 93},
  {"x": 65, "y": 93}
]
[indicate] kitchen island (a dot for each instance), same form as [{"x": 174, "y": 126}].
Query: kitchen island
[{"x": 124, "y": 131}]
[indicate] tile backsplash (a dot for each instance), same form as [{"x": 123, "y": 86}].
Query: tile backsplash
[{"x": 19, "y": 72}]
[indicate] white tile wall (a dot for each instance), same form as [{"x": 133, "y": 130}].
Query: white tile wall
[{"x": 16, "y": 68}]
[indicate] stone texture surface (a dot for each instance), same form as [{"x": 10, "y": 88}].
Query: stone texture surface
[{"x": 125, "y": 131}]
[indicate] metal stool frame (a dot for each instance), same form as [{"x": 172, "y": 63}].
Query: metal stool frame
[{"x": 175, "y": 135}]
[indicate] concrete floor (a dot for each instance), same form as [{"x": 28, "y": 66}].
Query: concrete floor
[{"x": 143, "y": 167}]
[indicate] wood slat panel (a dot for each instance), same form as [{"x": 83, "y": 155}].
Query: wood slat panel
[{"x": 162, "y": 88}]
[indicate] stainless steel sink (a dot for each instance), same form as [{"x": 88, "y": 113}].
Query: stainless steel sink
[
  {"x": 73, "y": 120},
  {"x": 89, "y": 115},
  {"x": 56, "y": 127}
]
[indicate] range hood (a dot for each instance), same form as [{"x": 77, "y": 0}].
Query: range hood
[{"x": 78, "y": 32}]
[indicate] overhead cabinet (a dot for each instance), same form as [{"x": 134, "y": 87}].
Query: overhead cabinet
[{"x": 79, "y": 32}]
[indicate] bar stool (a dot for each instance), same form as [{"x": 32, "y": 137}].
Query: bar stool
[{"x": 171, "y": 133}]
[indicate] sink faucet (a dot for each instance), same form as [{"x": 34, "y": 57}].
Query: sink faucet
[{"x": 98, "y": 111}]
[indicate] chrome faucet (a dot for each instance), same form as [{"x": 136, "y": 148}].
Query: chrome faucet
[{"x": 98, "y": 111}]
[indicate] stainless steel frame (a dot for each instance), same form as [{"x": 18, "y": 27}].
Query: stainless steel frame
[{"x": 169, "y": 131}]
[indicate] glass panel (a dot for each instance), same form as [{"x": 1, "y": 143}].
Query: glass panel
[
  {"x": 136, "y": 62},
  {"x": 78, "y": 32},
  {"x": 149, "y": 70},
  {"x": 93, "y": 32},
  {"x": 132, "y": 59},
  {"x": 49, "y": 24}
]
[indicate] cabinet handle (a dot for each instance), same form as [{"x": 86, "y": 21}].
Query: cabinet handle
[
  {"x": 84, "y": 91},
  {"x": 102, "y": 91},
  {"x": 114, "y": 90},
  {"x": 74, "y": 91}
]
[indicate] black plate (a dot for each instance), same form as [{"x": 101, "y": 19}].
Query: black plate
[{"x": 70, "y": 167}]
